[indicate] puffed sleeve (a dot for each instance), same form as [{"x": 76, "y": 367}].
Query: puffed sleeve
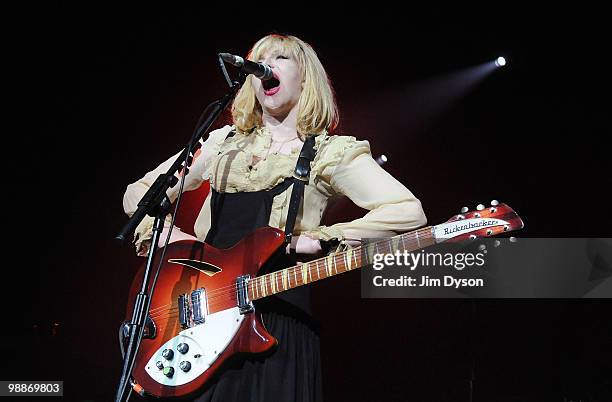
[
  {"x": 198, "y": 172},
  {"x": 347, "y": 167}
]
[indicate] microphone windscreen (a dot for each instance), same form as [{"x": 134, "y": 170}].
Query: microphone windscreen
[{"x": 230, "y": 58}]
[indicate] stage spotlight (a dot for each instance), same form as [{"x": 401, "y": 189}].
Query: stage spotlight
[
  {"x": 381, "y": 159},
  {"x": 500, "y": 62}
]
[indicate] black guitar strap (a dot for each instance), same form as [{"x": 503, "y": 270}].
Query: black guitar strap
[{"x": 301, "y": 176}]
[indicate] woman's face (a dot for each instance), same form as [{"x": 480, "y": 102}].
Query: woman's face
[{"x": 279, "y": 96}]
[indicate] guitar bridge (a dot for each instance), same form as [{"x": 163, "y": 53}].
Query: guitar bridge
[{"x": 242, "y": 294}]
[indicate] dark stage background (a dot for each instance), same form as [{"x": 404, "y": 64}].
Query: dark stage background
[{"x": 111, "y": 92}]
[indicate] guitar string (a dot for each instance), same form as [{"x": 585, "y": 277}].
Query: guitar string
[
  {"x": 213, "y": 299},
  {"x": 322, "y": 259},
  {"x": 232, "y": 288},
  {"x": 231, "y": 297},
  {"x": 299, "y": 281},
  {"x": 296, "y": 269}
]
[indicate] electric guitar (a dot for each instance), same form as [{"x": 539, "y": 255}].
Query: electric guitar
[{"x": 202, "y": 310}]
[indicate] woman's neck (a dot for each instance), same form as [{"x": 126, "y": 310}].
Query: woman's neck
[{"x": 282, "y": 128}]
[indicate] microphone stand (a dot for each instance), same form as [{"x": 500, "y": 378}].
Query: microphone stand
[{"x": 156, "y": 203}]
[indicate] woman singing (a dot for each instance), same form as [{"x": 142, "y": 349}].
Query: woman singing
[{"x": 250, "y": 166}]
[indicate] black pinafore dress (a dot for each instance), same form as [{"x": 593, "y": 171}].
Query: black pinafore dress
[{"x": 292, "y": 371}]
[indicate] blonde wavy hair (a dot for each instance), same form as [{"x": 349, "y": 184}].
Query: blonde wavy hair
[{"x": 317, "y": 109}]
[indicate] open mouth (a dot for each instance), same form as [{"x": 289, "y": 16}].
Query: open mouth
[
  {"x": 271, "y": 86},
  {"x": 271, "y": 83}
]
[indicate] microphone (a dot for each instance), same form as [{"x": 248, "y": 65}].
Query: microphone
[{"x": 259, "y": 70}]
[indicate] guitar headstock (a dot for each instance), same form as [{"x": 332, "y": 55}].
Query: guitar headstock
[{"x": 481, "y": 222}]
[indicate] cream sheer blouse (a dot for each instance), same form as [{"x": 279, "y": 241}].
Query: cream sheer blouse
[{"x": 342, "y": 165}]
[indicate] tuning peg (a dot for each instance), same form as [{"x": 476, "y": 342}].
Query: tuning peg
[
  {"x": 494, "y": 203},
  {"x": 464, "y": 210},
  {"x": 513, "y": 239},
  {"x": 480, "y": 207},
  {"x": 482, "y": 247},
  {"x": 496, "y": 243}
]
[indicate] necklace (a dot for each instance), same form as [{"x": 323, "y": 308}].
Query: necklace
[{"x": 280, "y": 144}]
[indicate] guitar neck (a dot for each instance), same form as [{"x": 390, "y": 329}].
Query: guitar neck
[{"x": 337, "y": 263}]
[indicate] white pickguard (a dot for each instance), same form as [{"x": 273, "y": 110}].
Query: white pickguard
[{"x": 208, "y": 340}]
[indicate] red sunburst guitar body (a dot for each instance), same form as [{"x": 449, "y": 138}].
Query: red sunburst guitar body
[{"x": 224, "y": 332}]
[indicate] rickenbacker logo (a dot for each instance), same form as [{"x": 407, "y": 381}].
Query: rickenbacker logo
[
  {"x": 448, "y": 230},
  {"x": 470, "y": 225}
]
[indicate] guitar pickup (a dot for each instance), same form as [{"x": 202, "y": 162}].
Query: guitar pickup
[
  {"x": 184, "y": 312},
  {"x": 199, "y": 306},
  {"x": 193, "y": 308},
  {"x": 242, "y": 295}
]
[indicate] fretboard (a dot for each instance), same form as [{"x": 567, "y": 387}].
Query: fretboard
[{"x": 336, "y": 263}]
